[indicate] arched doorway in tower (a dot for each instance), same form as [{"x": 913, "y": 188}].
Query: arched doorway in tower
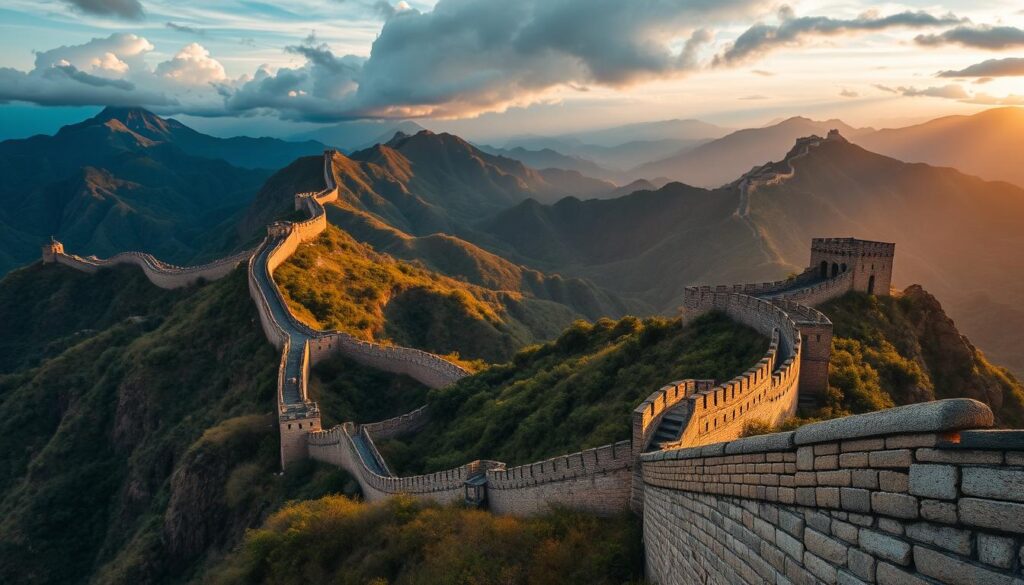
[
  {"x": 835, "y": 270},
  {"x": 871, "y": 284},
  {"x": 824, "y": 269}
]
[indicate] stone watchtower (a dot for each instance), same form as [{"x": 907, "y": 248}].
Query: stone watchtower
[
  {"x": 51, "y": 250},
  {"x": 870, "y": 263}
]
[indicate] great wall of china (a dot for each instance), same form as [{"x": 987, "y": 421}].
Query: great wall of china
[{"x": 920, "y": 494}]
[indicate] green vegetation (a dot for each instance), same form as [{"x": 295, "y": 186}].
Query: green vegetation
[
  {"x": 338, "y": 541},
  {"x": 573, "y": 393},
  {"x": 75, "y": 307},
  {"x": 899, "y": 350},
  {"x": 339, "y": 283},
  {"x": 139, "y": 451},
  {"x": 348, "y": 391}
]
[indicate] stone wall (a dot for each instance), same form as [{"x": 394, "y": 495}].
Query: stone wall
[
  {"x": 429, "y": 369},
  {"x": 904, "y": 496},
  {"x": 336, "y": 446},
  {"x": 398, "y": 426},
  {"x": 161, "y": 274},
  {"x": 766, "y": 392},
  {"x": 596, "y": 480}
]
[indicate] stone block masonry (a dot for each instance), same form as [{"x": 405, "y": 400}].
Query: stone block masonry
[{"x": 910, "y": 495}]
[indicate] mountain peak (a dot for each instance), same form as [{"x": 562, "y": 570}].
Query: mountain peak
[{"x": 138, "y": 120}]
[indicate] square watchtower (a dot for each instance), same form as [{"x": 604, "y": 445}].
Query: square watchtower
[{"x": 870, "y": 263}]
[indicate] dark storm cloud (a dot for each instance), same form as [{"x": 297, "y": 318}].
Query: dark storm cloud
[
  {"x": 130, "y": 9},
  {"x": 186, "y": 29},
  {"x": 792, "y": 30},
  {"x": 470, "y": 56},
  {"x": 981, "y": 37}
]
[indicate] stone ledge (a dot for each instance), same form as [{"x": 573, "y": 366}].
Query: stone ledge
[
  {"x": 761, "y": 444},
  {"x": 941, "y": 415}
]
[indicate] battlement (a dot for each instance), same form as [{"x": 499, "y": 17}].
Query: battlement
[{"x": 852, "y": 247}]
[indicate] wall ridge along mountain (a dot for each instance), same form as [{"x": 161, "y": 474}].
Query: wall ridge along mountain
[{"x": 910, "y": 495}]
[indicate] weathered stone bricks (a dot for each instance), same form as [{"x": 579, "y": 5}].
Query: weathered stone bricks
[
  {"x": 991, "y": 514},
  {"x": 893, "y": 458},
  {"x": 855, "y": 500},
  {"x": 934, "y": 481},
  {"x": 996, "y": 550},
  {"x": 897, "y": 505},
  {"x": 861, "y": 564},
  {"x": 827, "y": 497},
  {"x": 885, "y": 547},
  {"x": 825, "y": 547},
  {"x": 893, "y": 481},
  {"x": 839, "y": 478},
  {"x": 937, "y": 511},
  {"x": 865, "y": 478},
  {"x": 949, "y": 569},
  {"x": 789, "y": 545},
  {"x": 820, "y": 568},
  {"x": 859, "y": 459},
  {"x": 1002, "y": 484},
  {"x": 947, "y": 537},
  {"x": 890, "y": 575}
]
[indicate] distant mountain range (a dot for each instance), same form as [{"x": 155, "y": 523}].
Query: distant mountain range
[
  {"x": 360, "y": 134},
  {"x": 987, "y": 144},
  {"x": 125, "y": 180},
  {"x": 719, "y": 161},
  {"x": 129, "y": 180}
]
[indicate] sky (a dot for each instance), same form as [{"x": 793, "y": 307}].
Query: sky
[{"x": 492, "y": 69}]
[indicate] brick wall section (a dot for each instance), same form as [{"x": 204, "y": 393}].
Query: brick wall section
[
  {"x": 335, "y": 446},
  {"x": 161, "y": 274},
  {"x": 596, "y": 480},
  {"x": 905, "y": 496},
  {"x": 398, "y": 426},
  {"x": 766, "y": 392}
]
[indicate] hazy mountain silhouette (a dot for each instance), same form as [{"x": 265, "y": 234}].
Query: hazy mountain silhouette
[
  {"x": 116, "y": 182},
  {"x": 240, "y": 151},
  {"x": 358, "y": 134},
  {"x": 987, "y": 144},
  {"x": 719, "y": 161}
]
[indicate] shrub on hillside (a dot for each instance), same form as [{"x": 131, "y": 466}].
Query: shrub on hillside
[{"x": 401, "y": 542}]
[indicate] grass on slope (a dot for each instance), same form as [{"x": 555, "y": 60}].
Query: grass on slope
[
  {"x": 140, "y": 451},
  {"x": 576, "y": 392},
  {"x": 336, "y": 540},
  {"x": 899, "y": 350},
  {"x": 339, "y": 283},
  {"x": 46, "y": 309}
]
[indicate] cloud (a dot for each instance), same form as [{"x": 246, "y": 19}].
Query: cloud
[
  {"x": 186, "y": 29},
  {"x": 386, "y": 10},
  {"x": 952, "y": 91},
  {"x": 466, "y": 57},
  {"x": 762, "y": 73},
  {"x": 886, "y": 88},
  {"x": 848, "y": 93},
  {"x": 793, "y": 31},
  {"x": 113, "y": 71},
  {"x": 192, "y": 66},
  {"x": 130, "y": 9},
  {"x": 991, "y": 100},
  {"x": 753, "y": 97},
  {"x": 1009, "y": 67},
  {"x": 981, "y": 37}
]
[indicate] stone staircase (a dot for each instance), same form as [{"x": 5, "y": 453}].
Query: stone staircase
[{"x": 670, "y": 428}]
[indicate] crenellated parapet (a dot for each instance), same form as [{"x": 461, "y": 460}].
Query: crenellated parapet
[
  {"x": 915, "y": 494},
  {"x": 161, "y": 274}
]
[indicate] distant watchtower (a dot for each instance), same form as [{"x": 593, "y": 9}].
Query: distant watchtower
[
  {"x": 51, "y": 250},
  {"x": 869, "y": 262}
]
